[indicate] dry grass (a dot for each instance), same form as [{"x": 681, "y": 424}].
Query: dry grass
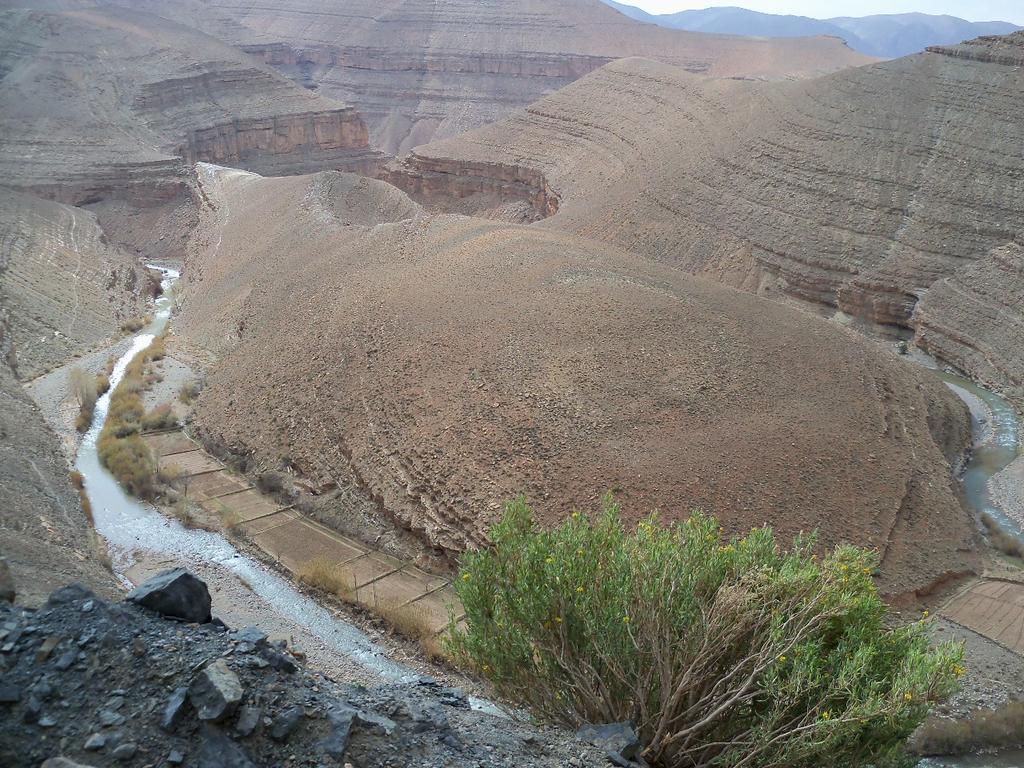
[
  {"x": 133, "y": 325},
  {"x": 985, "y": 729},
  {"x": 86, "y": 389},
  {"x": 189, "y": 391},
  {"x": 324, "y": 574},
  {"x": 170, "y": 475},
  {"x": 120, "y": 446},
  {"x": 1002, "y": 540},
  {"x": 160, "y": 417}
]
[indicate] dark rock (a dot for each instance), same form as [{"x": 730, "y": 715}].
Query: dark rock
[
  {"x": 453, "y": 697},
  {"x": 33, "y": 710},
  {"x": 70, "y": 594},
  {"x": 252, "y": 635},
  {"x": 285, "y": 722},
  {"x": 176, "y": 593},
  {"x": 125, "y": 751},
  {"x": 336, "y": 741},
  {"x": 219, "y": 751},
  {"x": 95, "y": 742},
  {"x": 377, "y": 723},
  {"x": 174, "y": 710},
  {"x": 47, "y": 721},
  {"x": 66, "y": 660},
  {"x": 215, "y": 692},
  {"x": 278, "y": 660},
  {"x": 62, "y": 762},
  {"x": 175, "y": 757},
  {"x": 618, "y": 740},
  {"x": 248, "y": 719},
  {"x": 7, "y": 590},
  {"x": 9, "y": 694},
  {"x": 109, "y": 719},
  {"x": 424, "y": 716}
]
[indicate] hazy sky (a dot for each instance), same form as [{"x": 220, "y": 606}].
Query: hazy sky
[{"x": 974, "y": 10}]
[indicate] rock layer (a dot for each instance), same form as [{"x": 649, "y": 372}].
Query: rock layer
[
  {"x": 975, "y": 320},
  {"x": 419, "y": 70},
  {"x": 858, "y": 190},
  {"x": 445, "y": 364},
  {"x": 108, "y": 102}
]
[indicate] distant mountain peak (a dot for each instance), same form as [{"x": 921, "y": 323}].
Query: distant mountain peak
[{"x": 884, "y": 35}]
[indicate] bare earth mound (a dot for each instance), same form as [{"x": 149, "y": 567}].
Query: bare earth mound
[
  {"x": 859, "y": 190},
  {"x": 446, "y": 363},
  {"x": 420, "y": 70}
]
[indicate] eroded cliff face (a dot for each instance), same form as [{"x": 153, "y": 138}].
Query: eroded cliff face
[
  {"x": 974, "y": 319},
  {"x": 493, "y": 190},
  {"x": 857, "y": 191},
  {"x": 101, "y": 103},
  {"x": 63, "y": 286},
  {"x": 419, "y": 70},
  {"x": 440, "y": 365}
]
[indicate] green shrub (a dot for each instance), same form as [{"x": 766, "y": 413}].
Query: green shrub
[{"x": 722, "y": 653}]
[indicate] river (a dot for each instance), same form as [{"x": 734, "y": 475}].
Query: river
[{"x": 131, "y": 526}]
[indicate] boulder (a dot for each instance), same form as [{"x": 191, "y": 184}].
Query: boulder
[
  {"x": 62, "y": 762},
  {"x": 618, "y": 740},
  {"x": 285, "y": 722},
  {"x": 336, "y": 741},
  {"x": 174, "y": 710},
  {"x": 70, "y": 594},
  {"x": 215, "y": 692},
  {"x": 174, "y": 592},
  {"x": 219, "y": 751}
]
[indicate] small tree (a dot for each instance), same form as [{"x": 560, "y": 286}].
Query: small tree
[{"x": 723, "y": 653}]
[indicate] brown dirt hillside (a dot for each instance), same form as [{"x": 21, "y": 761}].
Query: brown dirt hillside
[
  {"x": 418, "y": 69},
  {"x": 447, "y": 363},
  {"x": 858, "y": 190}
]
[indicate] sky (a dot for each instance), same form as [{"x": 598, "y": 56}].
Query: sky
[{"x": 972, "y": 10}]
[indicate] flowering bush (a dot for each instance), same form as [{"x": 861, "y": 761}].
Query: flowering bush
[{"x": 722, "y": 653}]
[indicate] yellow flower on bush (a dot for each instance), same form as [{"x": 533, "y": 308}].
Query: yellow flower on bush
[
  {"x": 826, "y": 715},
  {"x": 549, "y": 560},
  {"x": 625, "y": 619},
  {"x": 579, "y": 590},
  {"x": 908, "y": 696},
  {"x": 466, "y": 577}
]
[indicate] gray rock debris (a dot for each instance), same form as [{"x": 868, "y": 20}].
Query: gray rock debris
[
  {"x": 215, "y": 692},
  {"x": 7, "y": 590},
  {"x": 618, "y": 740},
  {"x": 176, "y": 593}
]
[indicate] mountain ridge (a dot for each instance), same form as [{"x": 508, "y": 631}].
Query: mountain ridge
[{"x": 882, "y": 35}]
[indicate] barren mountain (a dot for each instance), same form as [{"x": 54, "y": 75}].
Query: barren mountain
[
  {"x": 445, "y": 364},
  {"x": 105, "y": 102},
  {"x": 64, "y": 287},
  {"x": 418, "y": 69},
  {"x": 857, "y": 190}
]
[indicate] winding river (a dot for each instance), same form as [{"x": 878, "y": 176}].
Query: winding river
[{"x": 129, "y": 525}]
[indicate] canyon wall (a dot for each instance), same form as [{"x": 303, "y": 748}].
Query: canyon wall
[
  {"x": 974, "y": 319},
  {"x": 100, "y": 103},
  {"x": 858, "y": 191},
  {"x": 443, "y": 364},
  {"x": 418, "y": 70}
]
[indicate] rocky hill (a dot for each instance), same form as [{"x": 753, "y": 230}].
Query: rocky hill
[
  {"x": 856, "y": 191},
  {"x": 422, "y": 70},
  {"x": 444, "y": 364},
  {"x": 108, "y": 102},
  {"x": 88, "y": 682}
]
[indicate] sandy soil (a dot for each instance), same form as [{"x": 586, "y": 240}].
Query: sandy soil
[{"x": 994, "y": 676}]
